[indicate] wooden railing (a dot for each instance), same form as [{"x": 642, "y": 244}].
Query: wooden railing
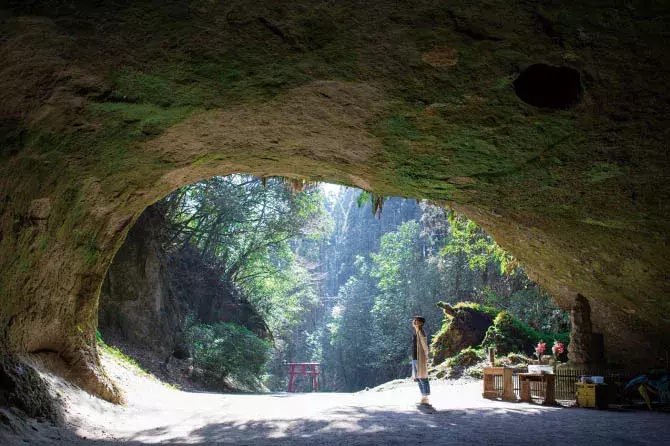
[
  {"x": 498, "y": 383},
  {"x": 615, "y": 378},
  {"x": 565, "y": 382}
]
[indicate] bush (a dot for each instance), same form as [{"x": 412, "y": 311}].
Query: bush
[
  {"x": 512, "y": 359},
  {"x": 509, "y": 335},
  {"x": 475, "y": 372},
  {"x": 225, "y": 350},
  {"x": 466, "y": 357}
]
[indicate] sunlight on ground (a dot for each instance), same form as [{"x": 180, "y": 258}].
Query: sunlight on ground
[{"x": 156, "y": 414}]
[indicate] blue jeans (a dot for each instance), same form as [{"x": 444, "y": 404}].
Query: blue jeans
[{"x": 424, "y": 385}]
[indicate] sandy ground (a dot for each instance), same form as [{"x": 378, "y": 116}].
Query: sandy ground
[{"x": 157, "y": 414}]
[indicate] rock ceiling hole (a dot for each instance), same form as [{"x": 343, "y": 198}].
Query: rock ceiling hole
[{"x": 543, "y": 85}]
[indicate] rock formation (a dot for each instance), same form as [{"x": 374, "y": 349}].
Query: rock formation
[
  {"x": 106, "y": 107},
  {"x": 146, "y": 296},
  {"x": 22, "y": 387},
  {"x": 136, "y": 303},
  {"x": 586, "y": 347},
  {"x": 471, "y": 325},
  {"x": 464, "y": 326}
]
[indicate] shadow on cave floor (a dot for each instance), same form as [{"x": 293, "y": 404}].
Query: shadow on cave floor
[
  {"x": 504, "y": 425},
  {"x": 387, "y": 415}
]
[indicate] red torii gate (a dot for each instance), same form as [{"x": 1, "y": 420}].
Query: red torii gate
[{"x": 304, "y": 368}]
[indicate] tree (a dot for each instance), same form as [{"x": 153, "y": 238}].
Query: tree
[
  {"x": 352, "y": 331},
  {"x": 408, "y": 285},
  {"x": 246, "y": 228},
  {"x": 234, "y": 221}
]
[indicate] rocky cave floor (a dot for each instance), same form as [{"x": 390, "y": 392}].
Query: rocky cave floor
[{"x": 157, "y": 414}]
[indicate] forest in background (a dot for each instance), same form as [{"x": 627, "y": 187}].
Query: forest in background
[{"x": 337, "y": 275}]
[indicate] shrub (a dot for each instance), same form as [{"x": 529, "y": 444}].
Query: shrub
[
  {"x": 466, "y": 357},
  {"x": 116, "y": 353},
  {"x": 475, "y": 372},
  {"x": 512, "y": 359},
  {"x": 509, "y": 335},
  {"x": 226, "y": 350},
  {"x": 491, "y": 311}
]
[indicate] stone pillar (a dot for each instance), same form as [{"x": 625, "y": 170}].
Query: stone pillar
[{"x": 581, "y": 334}]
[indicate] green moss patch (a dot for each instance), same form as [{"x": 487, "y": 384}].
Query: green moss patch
[{"x": 472, "y": 327}]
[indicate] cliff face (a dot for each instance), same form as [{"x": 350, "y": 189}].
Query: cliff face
[
  {"x": 146, "y": 296},
  {"x": 136, "y": 302},
  {"x": 200, "y": 289},
  {"x": 544, "y": 122}
]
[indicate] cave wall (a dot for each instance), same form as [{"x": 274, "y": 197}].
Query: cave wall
[
  {"x": 107, "y": 107},
  {"x": 201, "y": 290},
  {"x": 147, "y": 294},
  {"x": 136, "y": 303}
]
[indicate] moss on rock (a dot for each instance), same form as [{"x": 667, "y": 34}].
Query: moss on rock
[
  {"x": 510, "y": 335},
  {"x": 107, "y": 107},
  {"x": 469, "y": 327},
  {"x": 464, "y": 326}
]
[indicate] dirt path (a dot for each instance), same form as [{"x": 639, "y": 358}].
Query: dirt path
[{"x": 157, "y": 414}]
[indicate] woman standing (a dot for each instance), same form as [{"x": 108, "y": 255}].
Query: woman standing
[{"x": 420, "y": 358}]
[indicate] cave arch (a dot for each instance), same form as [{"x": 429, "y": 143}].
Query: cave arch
[
  {"x": 580, "y": 196},
  {"x": 318, "y": 132}
]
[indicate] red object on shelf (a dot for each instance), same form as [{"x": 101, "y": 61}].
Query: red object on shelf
[{"x": 304, "y": 368}]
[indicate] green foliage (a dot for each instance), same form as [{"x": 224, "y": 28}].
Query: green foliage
[
  {"x": 446, "y": 322},
  {"x": 510, "y": 335},
  {"x": 531, "y": 305},
  {"x": 273, "y": 241},
  {"x": 467, "y": 361},
  {"x": 512, "y": 359},
  {"x": 353, "y": 332},
  {"x": 469, "y": 239},
  {"x": 466, "y": 357},
  {"x": 491, "y": 311},
  {"x": 282, "y": 291},
  {"x": 98, "y": 337},
  {"x": 407, "y": 286},
  {"x": 376, "y": 202},
  {"x": 260, "y": 235},
  {"x": 118, "y": 354},
  {"x": 475, "y": 372},
  {"x": 238, "y": 222},
  {"x": 407, "y": 274},
  {"x": 226, "y": 350}
]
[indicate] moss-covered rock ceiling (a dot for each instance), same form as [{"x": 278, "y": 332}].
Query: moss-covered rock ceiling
[{"x": 546, "y": 122}]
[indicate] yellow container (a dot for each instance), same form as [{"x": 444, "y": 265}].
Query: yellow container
[{"x": 592, "y": 395}]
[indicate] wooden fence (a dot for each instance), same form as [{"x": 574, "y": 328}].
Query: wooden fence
[
  {"x": 567, "y": 378},
  {"x": 615, "y": 378}
]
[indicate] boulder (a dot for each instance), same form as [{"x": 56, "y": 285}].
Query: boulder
[{"x": 464, "y": 325}]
